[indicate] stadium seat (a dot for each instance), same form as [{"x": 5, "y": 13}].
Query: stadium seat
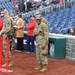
[{"x": 64, "y": 31}]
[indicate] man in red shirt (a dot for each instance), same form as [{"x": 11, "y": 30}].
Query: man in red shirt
[
  {"x": 1, "y": 23},
  {"x": 30, "y": 40}
]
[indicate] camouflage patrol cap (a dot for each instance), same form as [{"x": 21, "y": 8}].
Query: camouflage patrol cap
[
  {"x": 3, "y": 12},
  {"x": 11, "y": 14},
  {"x": 38, "y": 17},
  {"x": 37, "y": 13}
]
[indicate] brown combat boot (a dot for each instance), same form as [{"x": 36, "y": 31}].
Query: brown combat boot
[
  {"x": 9, "y": 65},
  {"x": 40, "y": 67},
  {"x": 44, "y": 69}
]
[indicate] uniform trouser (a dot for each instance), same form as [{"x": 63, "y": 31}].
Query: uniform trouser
[
  {"x": 30, "y": 48},
  {"x": 12, "y": 44},
  {"x": 39, "y": 55},
  {"x": 4, "y": 49}
]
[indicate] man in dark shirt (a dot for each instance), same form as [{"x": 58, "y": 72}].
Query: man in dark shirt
[
  {"x": 29, "y": 5},
  {"x": 22, "y": 7}
]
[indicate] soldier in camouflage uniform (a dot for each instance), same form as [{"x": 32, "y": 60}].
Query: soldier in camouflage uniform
[
  {"x": 41, "y": 33},
  {"x": 4, "y": 32},
  {"x": 12, "y": 41},
  {"x": 43, "y": 19}
]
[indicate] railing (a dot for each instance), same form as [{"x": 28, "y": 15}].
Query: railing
[
  {"x": 51, "y": 8},
  {"x": 61, "y": 35}
]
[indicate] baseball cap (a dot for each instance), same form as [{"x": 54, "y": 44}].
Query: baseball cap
[
  {"x": 11, "y": 14},
  {"x": 38, "y": 17},
  {"x": 3, "y": 12},
  {"x": 37, "y": 13}
]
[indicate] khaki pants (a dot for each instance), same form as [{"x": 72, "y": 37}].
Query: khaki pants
[
  {"x": 12, "y": 44},
  {"x": 4, "y": 49},
  {"x": 39, "y": 55}
]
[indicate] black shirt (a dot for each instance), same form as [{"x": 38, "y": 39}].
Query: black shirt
[{"x": 29, "y": 5}]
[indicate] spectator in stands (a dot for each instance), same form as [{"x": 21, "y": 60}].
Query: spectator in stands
[
  {"x": 29, "y": 5},
  {"x": 14, "y": 2},
  {"x": 16, "y": 8},
  {"x": 42, "y": 6},
  {"x": 44, "y": 2},
  {"x": 19, "y": 32},
  {"x": 72, "y": 31},
  {"x": 20, "y": 1},
  {"x": 22, "y": 7},
  {"x": 35, "y": 5},
  {"x": 30, "y": 27},
  {"x": 47, "y": 2},
  {"x": 25, "y": 6}
]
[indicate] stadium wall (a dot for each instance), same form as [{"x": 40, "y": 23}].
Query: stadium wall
[
  {"x": 70, "y": 49},
  {"x": 70, "y": 45}
]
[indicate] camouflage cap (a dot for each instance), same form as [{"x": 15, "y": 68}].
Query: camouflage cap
[
  {"x": 3, "y": 12},
  {"x": 11, "y": 14},
  {"x": 37, "y": 13},
  {"x": 38, "y": 17}
]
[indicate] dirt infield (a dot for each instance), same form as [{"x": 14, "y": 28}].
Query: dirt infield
[{"x": 25, "y": 63}]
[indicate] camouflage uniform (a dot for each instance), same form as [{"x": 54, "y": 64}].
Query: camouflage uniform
[
  {"x": 12, "y": 42},
  {"x": 5, "y": 31},
  {"x": 44, "y": 21},
  {"x": 41, "y": 33},
  {"x": 42, "y": 29}
]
